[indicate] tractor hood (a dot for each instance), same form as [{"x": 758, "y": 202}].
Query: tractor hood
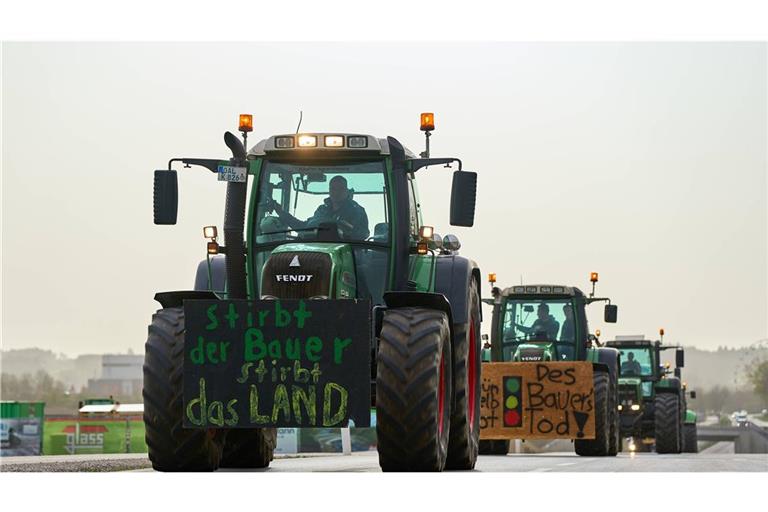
[
  {"x": 309, "y": 271},
  {"x": 528, "y": 352}
]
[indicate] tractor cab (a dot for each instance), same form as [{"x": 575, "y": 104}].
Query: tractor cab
[
  {"x": 542, "y": 322},
  {"x": 326, "y": 195},
  {"x": 541, "y": 326},
  {"x": 639, "y": 370}
]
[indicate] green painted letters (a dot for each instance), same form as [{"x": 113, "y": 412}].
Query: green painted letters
[{"x": 329, "y": 420}]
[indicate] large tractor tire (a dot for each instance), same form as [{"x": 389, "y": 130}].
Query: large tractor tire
[
  {"x": 667, "y": 423},
  {"x": 463, "y": 444},
  {"x": 172, "y": 447},
  {"x": 249, "y": 448},
  {"x": 690, "y": 438},
  {"x": 614, "y": 438},
  {"x": 413, "y": 390},
  {"x": 599, "y": 445},
  {"x": 494, "y": 447}
]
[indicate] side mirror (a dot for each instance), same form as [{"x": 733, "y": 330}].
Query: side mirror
[
  {"x": 611, "y": 312},
  {"x": 679, "y": 358},
  {"x": 166, "y": 197},
  {"x": 463, "y": 198},
  {"x": 693, "y": 394}
]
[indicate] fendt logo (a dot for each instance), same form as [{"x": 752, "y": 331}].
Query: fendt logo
[{"x": 294, "y": 278}]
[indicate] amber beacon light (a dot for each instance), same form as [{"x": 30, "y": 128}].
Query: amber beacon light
[
  {"x": 246, "y": 123},
  {"x": 427, "y": 121}
]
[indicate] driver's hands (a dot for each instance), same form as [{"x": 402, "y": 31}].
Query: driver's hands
[
  {"x": 273, "y": 206},
  {"x": 345, "y": 226}
]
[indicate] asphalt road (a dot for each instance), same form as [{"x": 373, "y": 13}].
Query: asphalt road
[
  {"x": 708, "y": 461},
  {"x": 721, "y": 447}
]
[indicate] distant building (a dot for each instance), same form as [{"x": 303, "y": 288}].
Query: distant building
[{"x": 121, "y": 375}]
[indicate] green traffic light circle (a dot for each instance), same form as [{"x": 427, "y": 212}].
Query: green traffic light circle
[{"x": 513, "y": 385}]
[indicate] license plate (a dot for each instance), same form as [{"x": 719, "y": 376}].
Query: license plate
[{"x": 228, "y": 173}]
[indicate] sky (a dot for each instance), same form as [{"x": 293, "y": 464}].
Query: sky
[{"x": 645, "y": 162}]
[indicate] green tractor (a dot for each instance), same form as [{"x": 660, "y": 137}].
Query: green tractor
[
  {"x": 329, "y": 221},
  {"x": 653, "y": 403},
  {"x": 535, "y": 324}
]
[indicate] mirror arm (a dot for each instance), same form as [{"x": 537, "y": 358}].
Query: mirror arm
[
  {"x": 209, "y": 163},
  {"x": 590, "y": 300},
  {"x": 415, "y": 164}
]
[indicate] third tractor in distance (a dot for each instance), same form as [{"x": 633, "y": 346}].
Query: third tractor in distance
[{"x": 653, "y": 401}]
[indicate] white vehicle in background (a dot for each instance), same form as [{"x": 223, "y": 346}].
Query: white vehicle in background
[{"x": 740, "y": 418}]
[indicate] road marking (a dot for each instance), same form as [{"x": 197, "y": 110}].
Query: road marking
[
  {"x": 566, "y": 464},
  {"x": 541, "y": 470}
]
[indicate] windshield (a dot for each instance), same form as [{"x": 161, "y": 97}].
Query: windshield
[
  {"x": 636, "y": 362},
  {"x": 297, "y": 199},
  {"x": 305, "y": 203},
  {"x": 538, "y": 319}
]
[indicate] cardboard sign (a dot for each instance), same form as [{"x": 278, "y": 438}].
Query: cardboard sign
[
  {"x": 547, "y": 400},
  {"x": 277, "y": 363}
]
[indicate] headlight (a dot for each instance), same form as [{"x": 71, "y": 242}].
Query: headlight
[
  {"x": 635, "y": 407},
  {"x": 307, "y": 141},
  {"x": 621, "y": 407},
  {"x": 357, "y": 141},
  {"x": 333, "y": 141},
  {"x": 284, "y": 142}
]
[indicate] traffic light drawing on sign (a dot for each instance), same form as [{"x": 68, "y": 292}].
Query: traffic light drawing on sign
[{"x": 513, "y": 402}]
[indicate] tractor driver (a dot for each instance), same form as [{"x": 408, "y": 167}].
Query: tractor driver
[
  {"x": 545, "y": 323},
  {"x": 338, "y": 207},
  {"x": 631, "y": 366}
]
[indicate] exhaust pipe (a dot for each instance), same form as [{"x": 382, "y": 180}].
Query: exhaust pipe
[{"x": 234, "y": 221}]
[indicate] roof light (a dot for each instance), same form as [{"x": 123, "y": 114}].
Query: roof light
[
  {"x": 357, "y": 141},
  {"x": 492, "y": 277},
  {"x": 422, "y": 248},
  {"x": 518, "y": 289},
  {"x": 593, "y": 277},
  {"x": 213, "y": 248},
  {"x": 597, "y": 333},
  {"x": 307, "y": 141},
  {"x": 425, "y": 232},
  {"x": 545, "y": 289},
  {"x": 558, "y": 289},
  {"x": 427, "y": 121},
  {"x": 284, "y": 142},
  {"x": 530, "y": 289},
  {"x": 333, "y": 141},
  {"x": 246, "y": 123},
  {"x": 661, "y": 332}
]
